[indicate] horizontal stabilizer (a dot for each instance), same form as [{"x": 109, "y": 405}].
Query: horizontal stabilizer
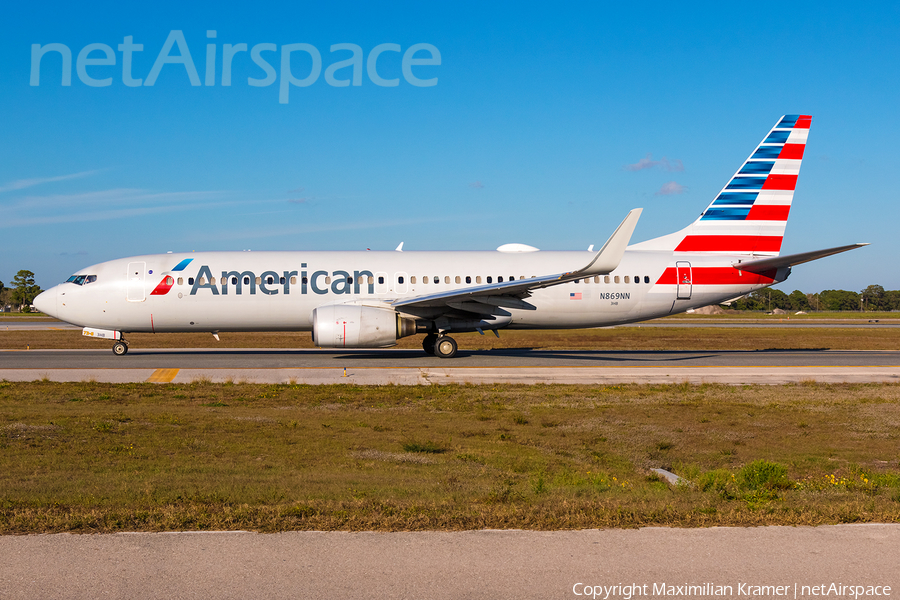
[{"x": 767, "y": 264}]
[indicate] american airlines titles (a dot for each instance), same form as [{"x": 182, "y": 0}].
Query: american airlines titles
[{"x": 240, "y": 282}]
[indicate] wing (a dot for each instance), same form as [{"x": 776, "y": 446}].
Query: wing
[{"x": 510, "y": 294}]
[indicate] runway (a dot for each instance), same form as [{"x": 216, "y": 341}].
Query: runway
[
  {"x": 413, "y": 367},
  {"x": 792, "y": 562}
]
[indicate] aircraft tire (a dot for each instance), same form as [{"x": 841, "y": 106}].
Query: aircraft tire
[
  {"x": 120, "y": 348},
  {"x": 445, "y": 347},
  {"x": 428, "y": 343}
]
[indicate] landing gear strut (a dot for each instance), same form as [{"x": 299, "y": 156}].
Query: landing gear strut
[
  {"x": 445, "y": 347},
  {"x": 120, "y": 348}
]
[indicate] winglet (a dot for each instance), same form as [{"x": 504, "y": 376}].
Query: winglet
[{"x": 610, "y": 255}]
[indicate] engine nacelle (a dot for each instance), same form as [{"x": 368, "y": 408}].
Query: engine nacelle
[{"x": 355, "y": 326}]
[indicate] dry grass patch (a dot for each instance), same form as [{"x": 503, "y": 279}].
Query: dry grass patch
[
  {"x": 616, "y": 339},
  {"x": 104, "y": 457}
]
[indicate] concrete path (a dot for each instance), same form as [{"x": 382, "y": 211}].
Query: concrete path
[{"x": 764, "y": 562}]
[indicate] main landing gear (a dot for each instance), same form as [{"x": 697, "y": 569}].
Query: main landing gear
[
  {"x": 120, "y": 348},
  {"x": 442, "y": 346}
]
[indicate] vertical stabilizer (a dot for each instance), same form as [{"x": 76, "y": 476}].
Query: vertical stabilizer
[{"x": 749, "y": 215}]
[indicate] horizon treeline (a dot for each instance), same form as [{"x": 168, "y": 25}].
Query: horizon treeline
[{"x": 873, "y": 298}]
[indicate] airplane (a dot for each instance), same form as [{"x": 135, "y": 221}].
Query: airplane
[{"x": 372, "y": 299}]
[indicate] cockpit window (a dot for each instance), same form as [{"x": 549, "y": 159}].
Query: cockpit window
[{"x": 81, "y": 279}]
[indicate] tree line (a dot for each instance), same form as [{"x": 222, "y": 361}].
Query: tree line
[
  {"x": 22, "y": 294},
  {"x": 873, "y": 298}
]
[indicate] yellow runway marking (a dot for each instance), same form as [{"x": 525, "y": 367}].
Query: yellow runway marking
[{"x": 163, "y": 376}]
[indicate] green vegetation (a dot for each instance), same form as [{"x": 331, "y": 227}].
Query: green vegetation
[
  {"x": 103, "y": 457},
  {"x": 25, "y": 290}
]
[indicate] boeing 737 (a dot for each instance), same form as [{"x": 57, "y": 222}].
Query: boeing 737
[{"x": 372, "y": 299}]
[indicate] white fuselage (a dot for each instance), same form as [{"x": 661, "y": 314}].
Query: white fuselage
[{"x": 278, "y": 291}]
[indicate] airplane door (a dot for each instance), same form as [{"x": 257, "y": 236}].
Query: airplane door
[
  {"x": 685, "y": 280},
  {"x": 135, "y": 281}
]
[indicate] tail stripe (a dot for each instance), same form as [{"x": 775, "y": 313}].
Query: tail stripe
[{"x": 759, "y": 194}]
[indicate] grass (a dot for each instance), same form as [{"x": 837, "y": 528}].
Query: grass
[
  {"x": 102, "y": 457},
  {"x": 629, "y": 338}
]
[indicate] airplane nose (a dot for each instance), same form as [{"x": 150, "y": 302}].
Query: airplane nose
[{"x": 46, "y": 301}]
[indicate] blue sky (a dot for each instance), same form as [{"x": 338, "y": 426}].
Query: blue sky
[{"x": 526, "y": 136}]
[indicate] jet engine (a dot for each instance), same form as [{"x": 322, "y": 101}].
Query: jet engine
[{"x": 355, "y": 326}]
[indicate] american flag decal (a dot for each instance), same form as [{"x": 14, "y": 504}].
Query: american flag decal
[{"x": 575, "y": 296}]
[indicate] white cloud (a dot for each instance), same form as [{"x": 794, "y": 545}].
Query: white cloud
[
  {"x": 670, "y": 189},
  {"x": 648, "y": 163},
  {"x": 21, "y": 184}
]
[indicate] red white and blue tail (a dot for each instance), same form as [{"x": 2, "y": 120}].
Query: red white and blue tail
[{"x": 749, "y": 215}]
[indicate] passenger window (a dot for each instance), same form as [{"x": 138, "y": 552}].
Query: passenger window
[
  {"x": 576, "y": 281},
  {"x": 281, "y": 280},
  {"x": 169, "y": 280},
  {"x": 468, "y": 279},
  {"x": 412, "y": 280},
  {"x": 437, "y": 279},
  {"x": 500, "y": 279},
  {"x": 587, "y": 279},
  {"x": 294, "y": 280},
  {"x": 258, "y": 280},
  {"x": 181, "y": 281},
  {"x": 327, "y": 280},
  {"x": 400, "y": 280},
  {"x": 190, "y": 281},
  {"x": 512, "y": 277},
  {"x": 380, "y": 280},
  {"x": 637, "y": 278},
  {"x": 370, "y": 280},
  {"x": 203, "y": 281},
  {"x": 349, "y": 279},
  {"x": 489, "y": 279},
  {"x": 446, "y": 279},
  {"x": 627, "y": 279},
  {"x": 606, "y": 279},
  {"x": 425, "y": 279},
  {"x": 305, "y": 280},
  {"x": 233, "y": 280},
  {"x": 646, "y": 279},
  {"x": 212, "y": 280},
  {"x": 478, "y": 279},
  {"x": 270, "y": 280},
  {"x": 596, "y": 279},
  {"x": 359, "y": 279},
  {"x": 616, "y": 279},
  {"x": 458, "y": 280}
]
